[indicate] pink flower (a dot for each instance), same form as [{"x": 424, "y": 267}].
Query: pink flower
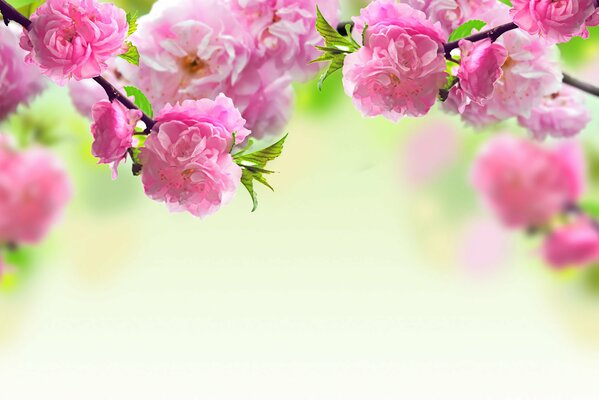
[
  {"x": 576, "y": 244},
  {"x": 480, "y": 67},
  {"x": 74, "y": 38},
  {"x": 34, "y": 189},
  {"x": 18, "y": 83},
  {"x": 562, "y": 114},
  {"x": 525, "y": 183},
  {"x": 401, "y": 66},
  {"x": 285, "y": 31},
  {"x": 557, "y": 21},
  {"x": 113, "y": 129},
  {"x": 186, "y": 160},
  {"x": 190, "y": 50},
  {"x": 530, "y": 72},
  {"x": 264, "y": 99}
]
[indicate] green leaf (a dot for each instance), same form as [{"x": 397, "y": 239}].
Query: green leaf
[
  {"x": 132, "y": 22},
  {"x": 254, "y": 167},
  {"x": 132, "y": 55},
  {"x": 466, "y": 29},
  {"x": 336, "y": 46},
  {"x": 140, "y": 101},
  {"x": 506, "y": 2}
]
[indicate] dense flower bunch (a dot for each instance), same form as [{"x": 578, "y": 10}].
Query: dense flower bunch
[
  {"x": 249, "y": 50},
  {"x": 217, "y": 71},
  {"x": 539, "y": 189},
  {"x": 414, "y": 53},
  {"x": 34, "y": 189}
]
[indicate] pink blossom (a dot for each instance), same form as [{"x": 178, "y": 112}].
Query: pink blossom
[
  {"x": 34, "y": 189},
  {"x": 576, "y": 244},
  {"x": 18, "y": 83},
  {"x": 186, "y": 160},
  {"x": 562, "y": 114},
  {"x": 557, "y": 21},
  {"x": 113, "y": 129},
  {"x": 401, "y": 66},
  {"x": 525, "y": 183},
  {"x": 74, "y": 38},
  {"x": 285, "y": 31},
  {"x": 264, "y": 99},
  {"x": 530, "y": 72},
  {"x": 190, "y": 50},
  {"x": 480, "y": 67}
]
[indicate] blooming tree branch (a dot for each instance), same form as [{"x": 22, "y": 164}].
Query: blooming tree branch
[
  {"x": 492, "y": 34},
  {"x": 9, "y": 13}
]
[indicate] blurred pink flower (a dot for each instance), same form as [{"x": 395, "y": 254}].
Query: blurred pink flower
[
  {"x": 492, "y": 247},
  {"x": 113, "y": 128},
  {"x": 74, "y": 38},
  {"x": 557, "y": 21},
  {"x": 285, "y": 31},
  {"x": 576, "y": 244},
  {"x": 401, "y": 66},
  {"x": 480, "y": 67},
  {"x": 562, "y": 114},
  {"x": 526, "y": 184},
  {"x": 34, "y": 190},
  {"x": 186, "y": 160},
  {"x": 19, "y": 83},
  {"x": 265, "y": 100}
]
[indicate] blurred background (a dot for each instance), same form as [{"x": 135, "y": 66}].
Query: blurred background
[{"x": 373, "y": 272}]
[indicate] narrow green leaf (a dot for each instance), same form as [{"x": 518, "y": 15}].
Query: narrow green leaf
[
  {"x": 506, "y": 2},
  {"x": 132, "y": 55},
  {"x": 253, "y": 167},
  {"x": 140, "y": 101},
  {"x": 132, "y": 22},
  {"x": 466, "y": 29},
  {"x": 336, "y": 46}
]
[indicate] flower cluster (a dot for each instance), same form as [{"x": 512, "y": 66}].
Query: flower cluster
[
  {"x": 34, "y": 190},
  {"x": 537, "y": 188},
  {"x": 405, "y": 62},
  {"x": 249, "y": 50}
]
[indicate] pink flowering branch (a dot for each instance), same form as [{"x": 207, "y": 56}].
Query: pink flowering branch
[{"x": 9, "y": 13}]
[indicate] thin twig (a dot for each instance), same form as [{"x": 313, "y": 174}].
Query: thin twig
[
  {"x": 585, "y": 87},
  {"x": 492, "y": 34}
]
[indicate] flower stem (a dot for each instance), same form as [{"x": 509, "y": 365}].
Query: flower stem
[
  {"x": 9, "y": 13},
  {"x": 492, "y": 34},
  {"x": 585, "y": 87}
]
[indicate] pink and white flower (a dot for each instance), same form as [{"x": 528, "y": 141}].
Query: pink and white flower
[
  {"x": 74, "y": 38},
  {"x": 561, "y": 114},
  {"x": 526, "y": 184},
  {"x": 401, "y": 67},
  {"x": 113, "y": 129},
  {"x": 557, "y": 21},
  {"x": 186, "y": 159},
  {"x": 576, "y": 244},
  {"x": 34, "y": 190},
  {"x": 19, "y": 83}
]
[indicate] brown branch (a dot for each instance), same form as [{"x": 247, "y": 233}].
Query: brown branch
[
  {"x": 585, "y": 87},
  {"x": 492, "y": 34}
]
